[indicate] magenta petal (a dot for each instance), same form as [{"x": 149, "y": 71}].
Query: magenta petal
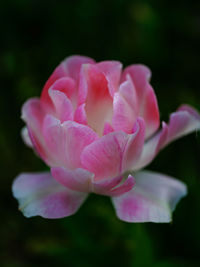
[
  {"x": 78, "y": 180},
  {"x": 182, "y": 122},
  {"x": 39, "y": 194},
  {"x": 152, "y": 199}
]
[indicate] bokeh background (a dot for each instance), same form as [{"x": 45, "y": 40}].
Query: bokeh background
[{"x": 35, "y": 36}]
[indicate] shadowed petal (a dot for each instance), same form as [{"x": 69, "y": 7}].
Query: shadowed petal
[
  {"x": 39, "y": 194},
  {"x": 152, "y": 199}
]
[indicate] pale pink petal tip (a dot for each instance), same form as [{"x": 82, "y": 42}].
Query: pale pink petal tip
[
  {"x": 152, "y": 199},
  {"x": 26, "y": 137},
  {"x": 39, "y": 194}
]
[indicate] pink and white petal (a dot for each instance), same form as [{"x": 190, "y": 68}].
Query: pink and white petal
[
  {"x": 33, "y": 113},
  {"x": 62, "y": 105},
  {"x": 147, "y": 102},
  {"x": 94, "y": 92},
  {"x": 25, "y": 136},
  {"x": 77, "y": 180},
  {"x": 104, "y": 156},
  {"x": 134, "y": 146},
  {"x": 80, "y": 115},
  {"x": 112, "y": 71},
  {"x": 181, "y": 123},
  {"x": 40, "y": 194},
  {"x": 66, "y": 141},
  {"x": 70, "y": 67},
  {"x": 152, "y": 199}
]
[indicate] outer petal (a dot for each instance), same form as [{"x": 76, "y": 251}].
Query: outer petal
[
  {"x": 147, "y": 102},
  {"x": 39, "y": 194},
  {"x": 152, "y": 199},
  {"x": 33, "y": 113},
  {"x": 182, "y": 122},
  {"x": 70, "y": 67}
]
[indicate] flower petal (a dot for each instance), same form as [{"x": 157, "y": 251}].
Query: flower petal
[
  {"x": 113, "y": 154},
  {"x": 62, "y": 105},
  {"x": 125, "y": 110},
  {"x": 112, "y": 71},
  {"x": 152, "y": 199},
  {"x": 78, "y": 179},
  {"x": 66, "y": 141},
  {"x": 147, "y": 102},
  {"x": 39, "y": 194},
  {"x": 186, "y": 120},
  {"x": 94, "y": 92},
  {"x": 70, "y": 67},
  {"x": 26, "y": 137}
]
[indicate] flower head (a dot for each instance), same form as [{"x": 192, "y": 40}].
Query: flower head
[{"x": 96, "y": 127}]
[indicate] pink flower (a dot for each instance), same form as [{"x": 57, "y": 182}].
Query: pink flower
[{"x": 96, "y": 127}]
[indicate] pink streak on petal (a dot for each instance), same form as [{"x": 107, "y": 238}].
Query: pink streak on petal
[
  {"x": 39, "y": 194},
  {"x": 78, "y": 179},
  {"x": 152, "y": 199},
  {"x": 124, "y": 188}
]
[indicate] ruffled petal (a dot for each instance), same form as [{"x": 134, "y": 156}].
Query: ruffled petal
[
  {"x": 186, "y": 120},
  {"x": 39, "y": 194},
  {"x": 147, "y": 102},
  {"x": 152, "y": 199}
]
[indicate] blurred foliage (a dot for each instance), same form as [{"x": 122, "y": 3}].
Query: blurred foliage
[{"x": 35, "y": 37}]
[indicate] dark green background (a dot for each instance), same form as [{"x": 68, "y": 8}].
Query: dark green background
[{"x": 35, "y": 37}]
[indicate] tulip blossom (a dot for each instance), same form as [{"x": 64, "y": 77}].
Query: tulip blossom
[{"x": 97, "y": 126}]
